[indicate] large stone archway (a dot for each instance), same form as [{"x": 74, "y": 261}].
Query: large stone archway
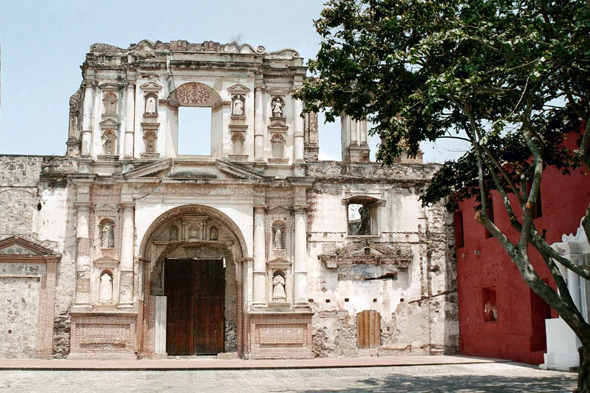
[{"x": 191, "y": 233}]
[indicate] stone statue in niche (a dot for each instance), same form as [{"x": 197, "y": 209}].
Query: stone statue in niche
[
  {"x": 278, "y": 288},
  {"x": 278, "y": 241},
  {"x": 107, "y": 239},
  {"x": 109, "y": 144},
  {"x": 106, "y": 287},
  {"x": 277, "y": 107},
  {"x": 173, "y": 233},
  {"x": 238, "y": 106},
  {"x": 110, "y": 104},
  {"x": 213, "y": 234},
  {"x": 150, "y": 106}
]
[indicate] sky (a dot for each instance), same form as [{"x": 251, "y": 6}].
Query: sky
[{"x": 45, "y": 42}]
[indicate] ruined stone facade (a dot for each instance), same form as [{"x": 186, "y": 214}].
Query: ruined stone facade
[{"x": 313, "y": 258}]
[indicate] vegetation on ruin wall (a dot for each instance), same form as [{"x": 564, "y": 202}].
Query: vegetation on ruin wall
[{"x": 511, "y": 78}]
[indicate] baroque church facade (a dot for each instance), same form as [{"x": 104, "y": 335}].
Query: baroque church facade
[{"x": 124, "y": 247}]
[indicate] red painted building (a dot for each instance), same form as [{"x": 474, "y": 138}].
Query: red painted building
[{"x": 499, "y": 315}]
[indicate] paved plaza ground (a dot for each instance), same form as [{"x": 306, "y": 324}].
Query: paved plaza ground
[{"x": 487, "y": 377}]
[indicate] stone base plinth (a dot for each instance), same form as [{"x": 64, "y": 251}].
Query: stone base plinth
[
  {"x": 103, "y": 335},
  {"x": 279, "y": 335}
]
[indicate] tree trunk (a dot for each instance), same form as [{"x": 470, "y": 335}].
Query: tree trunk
[{"x": 584, "y": 372}]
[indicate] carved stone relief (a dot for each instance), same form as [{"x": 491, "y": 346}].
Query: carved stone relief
[{"x": 196, "y": 94}]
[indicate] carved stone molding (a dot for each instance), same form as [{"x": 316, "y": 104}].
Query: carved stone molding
[{"x": 369, "y": 253}]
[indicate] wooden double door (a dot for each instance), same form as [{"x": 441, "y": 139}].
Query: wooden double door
[{"x": 195, "y": 303}]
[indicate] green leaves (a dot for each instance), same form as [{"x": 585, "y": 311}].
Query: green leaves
[{"x": 423, "y": 70}]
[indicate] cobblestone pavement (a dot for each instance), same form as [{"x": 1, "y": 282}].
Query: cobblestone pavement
[{"x": 494, "y": 377}]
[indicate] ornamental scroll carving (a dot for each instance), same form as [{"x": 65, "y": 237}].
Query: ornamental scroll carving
[{"x": 197, "y": 94}]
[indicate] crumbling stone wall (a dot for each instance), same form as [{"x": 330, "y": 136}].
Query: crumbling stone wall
[
  {"x": 19, "y": 309},
  {"x": 36, "y": 204},
  {"x": 416, "y": 298}
]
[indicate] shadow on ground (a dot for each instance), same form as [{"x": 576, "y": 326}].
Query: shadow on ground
[{"x": 403, "y": 383}]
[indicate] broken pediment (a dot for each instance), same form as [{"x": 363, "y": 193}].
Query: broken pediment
[
  {"x": 237, "y": 89},
  {"x": 109, "y": 123},
  {"x": 18, "y": 246},
  {"x": 368, "y": 253},
  {"x": 106, "y": 262},
  {"x": 192, "y": 170},
  {"x": 151, "y": 87}
]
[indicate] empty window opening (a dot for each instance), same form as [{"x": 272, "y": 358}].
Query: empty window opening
[
  {"x": 329, "y": 139},
  {"x": 194, "y": 131},
  {"x": 362, "y": 216},
  {"x": 490, "y": 310},
  {"x": 459, "y": 236}
]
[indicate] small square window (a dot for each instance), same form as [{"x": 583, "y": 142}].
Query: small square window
[
  {"x": 362, "y": 216},
  {"x": 490, "y": 310}
]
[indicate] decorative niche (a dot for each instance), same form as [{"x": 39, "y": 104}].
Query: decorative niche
[
  {"x": 109, "y": 128},
  {"x": 279, "y": 239},
  {"x": 110, "y": 102},
  {"x": 277, "y": 142},
  {"x": 107, "y": 233},
  {"x": 150, "y": 124},
  {"x": 238, "y": 141},
  {"x": 238, "y": 101},
  {"x": 280, "y": 282},
  {"x": 105, "y": 282},
  {"x": 277, "y": 108}
]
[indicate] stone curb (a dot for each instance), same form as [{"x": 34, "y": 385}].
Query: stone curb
[{"x": 216, "y": 364}]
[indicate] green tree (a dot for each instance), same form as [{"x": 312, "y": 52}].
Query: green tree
[{"x": 512, "y": 78}]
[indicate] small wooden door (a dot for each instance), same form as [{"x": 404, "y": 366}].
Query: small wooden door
[
  {"x": 195, "y": 293},
  {"x": 369, "y": 329}
]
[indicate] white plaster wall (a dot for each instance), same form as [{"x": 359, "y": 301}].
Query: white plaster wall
[{"x": 240, "y": 214}]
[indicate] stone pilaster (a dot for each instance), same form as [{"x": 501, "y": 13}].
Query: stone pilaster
[
  {"x": 127, "y": 247},
  {"x": 87, "y": 119},
  {"x": 259, "y": 257},
  {"x": 258, "y": 125},
  {"x": 298, "y": 135},
  {"x": 355, "y": 146},
  {"x": 83, "y": 273},
  {"x": 129, "y": 121},
  {"x": 300, "y": 265}
]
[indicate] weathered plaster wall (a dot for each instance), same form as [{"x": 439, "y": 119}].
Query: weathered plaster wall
[{"x": 418, "y": 307}]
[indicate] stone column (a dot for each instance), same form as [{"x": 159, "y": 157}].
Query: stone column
[
  {"x": 127, "y": 247},
  {"x": 129, "y": 121},
  {"x": 300, "y": 265},
  {"x": 83, "y": 273},
  {"x": 364, "y": 137},
  {"x": 258, "y": 124},
  {"x": 259, "y": 258},
  {"x": 298, "y": 135},
  {"x": 87, "y": 119}
]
